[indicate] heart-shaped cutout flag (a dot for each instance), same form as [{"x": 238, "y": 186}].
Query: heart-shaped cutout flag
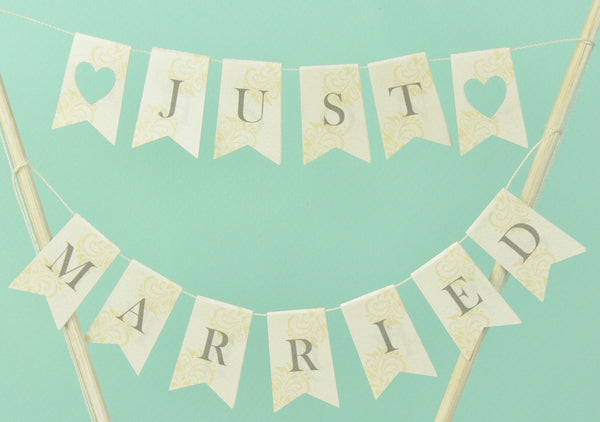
[
  {"x": 486, "y": 98},
  {"x": 94, "y": 85}
]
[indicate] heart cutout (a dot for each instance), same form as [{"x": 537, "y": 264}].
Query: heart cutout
[
  {"x": 486, "y": 97},
  {"x": 94, "y": 85}
]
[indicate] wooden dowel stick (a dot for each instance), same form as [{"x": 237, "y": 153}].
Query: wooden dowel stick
[
  {"x": 72, "y": 330},
  {"x": 532, "y": 190}
]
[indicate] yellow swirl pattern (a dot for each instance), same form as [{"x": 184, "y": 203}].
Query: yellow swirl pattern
[
  {"x": 235, "y": 322},
  {"x": 73, "y": 108},
  {"x": 345, "y": 81},
  {"x": 191, "y": 370},
  {"x": 508, "y": 211},
  {"x": 414, "y": 70},
  {"x": 398, "y": 130},
  {"x": 533, "y": 273},
  {"x": 151, "y": 126},
  {"x": 465, "y": 330},
  {"x": 267, "y": 78},
  {"x": 193, "y": 71},
  {"x": 288, "y": 386},
  {"x": 96, "y": 248},
  {"x": 233, "y": 134},
  {"x": 498, "y": 63},
  {"x": 320, "y": 138},
  {"x": 161, "y": 295},
  {"x": 454, "y": 264},
  {"x": 473, "y": 128},
  {"x": 116, "y": 57},
  {"x": 381, "y": 368},
  {"x": 311, "y": 325},
  {"x": 107, "y": 328},
  {"x": 385, "y": 306},
  {"x": 38, "y": 279}
]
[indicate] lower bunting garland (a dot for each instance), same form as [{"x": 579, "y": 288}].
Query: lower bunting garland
[{"x": 213, "y": 349}]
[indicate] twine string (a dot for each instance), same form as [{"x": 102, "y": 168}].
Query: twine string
[
  {"x": 19, "y": 194},
  {"x": 296, "y": 69}
]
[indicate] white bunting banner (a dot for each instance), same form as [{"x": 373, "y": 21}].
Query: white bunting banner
[
  {"x": 173, "y": 99},
  {"x": 462, "y": 297},
  {"x": 250, "y": 108},
  {"x": 300, "y": 353},
  {"x": 505, "y": 118},
  {"x": 68, "y": 267},
  {"x": 522, "y": 241},
  {"x": 100, "y": 63},
  {"x": 407, "y": 102},
  {"x": 135, "y": 313},
  {"x": 213, "y": 348},
  {"x": 385, "y": 338},
  {"x": 333, "y": 113}
]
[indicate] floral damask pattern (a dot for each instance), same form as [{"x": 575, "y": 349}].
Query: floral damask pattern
[
  {"x": 345, "y": 81},
  {"x": 382, "y": 367},
  {"x": 507, "y": 212},
  {"x": 193, "y": 71},
  {"x": 191, "y": 370},
  {"x": 288, "y": 386},
  {"x": 150, "y": 125}
]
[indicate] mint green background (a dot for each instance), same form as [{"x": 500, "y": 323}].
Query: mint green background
[{"x": 245, "y": 231}]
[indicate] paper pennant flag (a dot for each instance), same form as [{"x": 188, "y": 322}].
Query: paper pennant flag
[
  {"x": 68, "y": 267},
  {"x": 173, "y": 99},
  {"x": 213, "y": 348},
  {"x": 385, "y": 338},
  {"x": 73, "y": 105},
  {"x": 333, "y": 114},
  {"x": 407, "y": 102},
  {"x": 522, "y": 241},
  {"x": 474, "y": 126},
  {"x": 301, "y": 361},
  {"x": 135, "y": 313},
  {"x": 250, "y": 108},
  {"x": 462, "y": 297}
]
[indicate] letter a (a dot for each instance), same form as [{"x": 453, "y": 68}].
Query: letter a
[{"x": 140, "y": 314}]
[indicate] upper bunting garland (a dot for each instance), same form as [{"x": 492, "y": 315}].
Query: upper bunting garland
[{"x": 333, "y": 114}]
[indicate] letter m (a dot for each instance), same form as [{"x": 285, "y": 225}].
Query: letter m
[{"x": 78, "y": 271}]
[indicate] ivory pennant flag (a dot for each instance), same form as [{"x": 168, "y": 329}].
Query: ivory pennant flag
[
  {"x": 135, "y": 313},
  {"x": 99, "y": 62},
  {"x": 522, "y": 241},
  {"x": 301, "y": 361},
  {"x": 250, "y": 108},
  {"x": 462, "y": 297},
  {"x": 68, "y": 267},
  {"x": 385, "y": 338},
  {"x": 213, "y": 348},
  {"x": 407, "y": 102},
  {"x": 173, "y": 99},
  {"x": 506, "y": 121},
  {"x": 333, "y": 114}
]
